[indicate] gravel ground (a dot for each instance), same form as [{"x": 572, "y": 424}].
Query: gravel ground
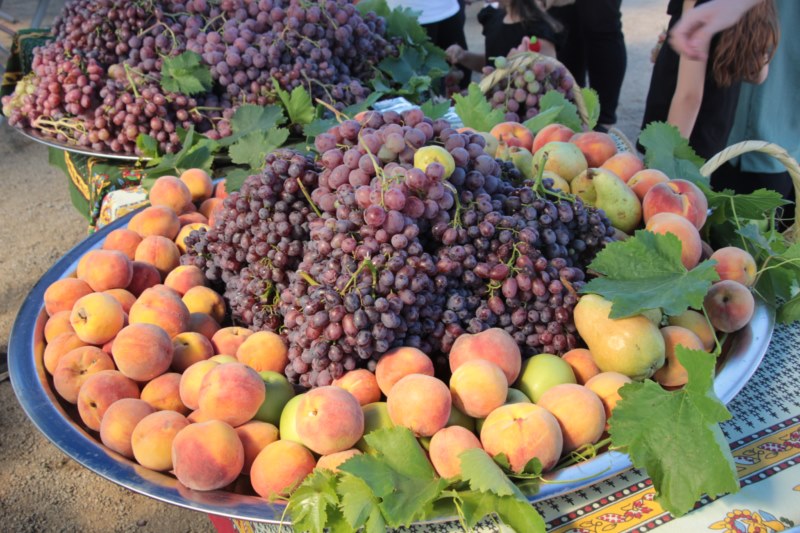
[{"x": 41, "y": 489}]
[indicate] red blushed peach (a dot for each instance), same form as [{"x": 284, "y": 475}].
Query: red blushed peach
[
  {"x": 221, "y": 189},
  {"x": 145, "y": 276},
  {"x": 203, "y": 299},
  {"x": 231, "y": 392},
  {"x": 264, "y": 350},
  {"x": 119, "y": 421},
  {"x": 579, "y": 411},
  {"x": 684, "y": 230},
  {"x": 681, "y": 197},
  {"x": 697, "y": 323},
  {"x": 160, "y": 252},
  {"x": 582, "y": 363},
  {"x": 99, "y": 391},
  {"x": 180, "y": 240},
  {"x": 495, "y": 345},
  {"x": 152, "y": 438},
  {"x": 478, "y": 387},
  {"x": 597, "y": 147},
  {"x": 125, "y": 298},
  {"x": 57, "y": 324},
  {"x": 606, "y": 385},
  {"x": 673, "y": 373},
  {"x": 398, "y": 363},
  {"x": 155, "y": 220},
  {"x": 644, "y": 180},
  {"x": 513, "y": 134},
  {"x": 61, "y": 295},
  {"x": 209, "y": 206},
  {"x": 227, "y": 340},
  {"x": 142, "y": 351},
  {"x": 97, "y": 318},
  {"x": 255, "y": 436},
  {"x": 203, "y": 324},
  {"x": 736, "y": 264},
  {"x": 333, "y": 461},
  {"x": 164, "y": 393},
  {"x": 75, "y": 367},
  {"x": 184, "y": 277},
  {"x": 624, "y": 164},
  {"x": 195, "y": 217},
  {"x": 161, "y": 306},
  {"x": 362, "y": 384},
  {"x": 329, "y": 420},
  {"x": 192, "y": 380},
  {"x": 523, "y": 431},
  {"x": 60, "y": 345},
  {"x": 280, "y": 468},
  {"x": 198, "y": 182},
  {"x": 207, "y": 455},
  {"x": 105, "y": 269},
  {"x": 190, "y": 347},
  {"x": 223, "y": 358},
  {"x": 421, "y": 403},
  {"x": 123, "y": 240},
  {"x": 171, "y": 192},
  {"x": 730, "y": 305},
  {"x": 551, "y": 133},
  {"x": 447, "y": 445}
]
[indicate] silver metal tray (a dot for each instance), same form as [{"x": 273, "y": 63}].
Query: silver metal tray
[
  {"x": 74, "y": 148},
  {"x": 58, "y": 421}
]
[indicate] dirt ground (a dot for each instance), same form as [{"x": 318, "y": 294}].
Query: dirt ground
[{"x": 41, "y": 489}]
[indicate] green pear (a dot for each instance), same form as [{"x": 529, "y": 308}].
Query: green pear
[
  {"x": 563, "y": 158},
  {"x": 620, "y": 203},
  {"x": 376, "y": 416},
  {"x": 582, "y": 186},
  {"x": 279, "y": 392},
  {"x": 522, "y": 159}
]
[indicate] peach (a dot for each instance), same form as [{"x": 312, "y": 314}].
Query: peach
[
  {"x": 681, "y": 197},
  {"x": 513, "y": 134},
  {"x": 730, "y": 305},
  {"x": 155, "y": 220},
  {"x": 142, "y": 351},
  {"x": 223, "y": 358},
  {"x": 124, "y": 240},
  {"x": 227, "y": 340},
  {"x": 231, "y": 392},
  {"x": 673, "y": 373},
  {"x": 624, "y": 164},
  {"x": 421, "y": 403},
  {"x": 125, "y": 298},
  {"x": 280, "y": 468},
  {"x": 523, "y": 431},
  {"x": 99, "y": 391},
  {"x": 596, "y": 146},
  {"x": 736, "y": 264},
  {"x": 398, "y": 363},
  {"x": 255, "y": 436},
  {"x": 62, "y": 294},
  {"x": 184, "y": 277},
  {"x": 97, "y": 318},
  {"x": 184, "y": 232},
  {"x": 606, "y": 385},
  {"x": 194, "y": 217},
  {"x": 118, "y": 423},
  {"x": 198, "y": 182},
  {"x": 494, "y": 344},
  {"x": 203, "y": 324},
  {"x": 171, "y": 192},
  {"x": 362, "y": 384},
  {"x": 153, "y": 436},
  {"x": 550, "y": 133},
  {"x": 189, "y": 347},
  {"x": 75, "y": 367},
  {"x": 582, "y": 363},
  {"x": 697, "y": 323},
  {"x": 105, "y": 269},
  {"x": 145, "y": 276},
  {"x": 164, "y": 393},
  {"x": 207, "y": 455},
  {"x": 210, "y": 206},
  {"x": 447, "y": 445},
  {"x": 329, "y": 420},
  {"x": 59, "y": 346},
  {"x": 160, "y": 252},
  {"x": 191, "y": 381},
  {"x": 478, "y": 387},
  {"x": 163, "y": 307},
  {"x": 682, "y": 228},
  {"x": 333, "y": 461},
  {"x": 264, "y": 350},
  {"x": 579, "y": 411},
  {"x": 644, "y": 180},
  {"x": 221, "y": 189},
  {"x": 202, "y": 299},
  {"x": 56, "y": 325}
]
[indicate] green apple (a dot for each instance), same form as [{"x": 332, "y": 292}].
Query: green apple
[
  {"x": 376, "y": 416},
  {"x": 541, "y": 372},
  {"x": 279, "y": 392},
  {"x": 288, "y": 421},
  {"x": 434, "y": 154}
]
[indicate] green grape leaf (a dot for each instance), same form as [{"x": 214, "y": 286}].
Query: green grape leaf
[
  {"x": 435, "y": 110},
  {"x": 185, "y": 73},
  {"x": 413, "y": 68},
  {"x": 360, "y": 506},
  {"x": 483, "y": 474},
  {"x": 475, "y": 111},
  {"x": 298, "y": 104},
  {"x": 592, "y": 103},
  {"x": 675, "y": 435},
  {"x": 543, "y": 118},
  {"x": 519, "y": 514},
  {"x": 727, "y": 205},
  {"x": 147, "y": 145},
  {"x": 234, "y": 179},
  {"x": 250, "y": 118},
  {"x": 322, "y": 124},
  {"x": 667, "y": 151},
  {"x": 567, "y": 115},
  {"x": 658, "y": 280},
  {"x": 196, "y": 152},
  {"x": 310, "y": 504},
  {"x": 251, "y": 149}
]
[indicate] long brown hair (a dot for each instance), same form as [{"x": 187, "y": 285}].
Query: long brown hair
[
  {"x": 745, "y": 48},
  {"x": 529, "y": 11}
]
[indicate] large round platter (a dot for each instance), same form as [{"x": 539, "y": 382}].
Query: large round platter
[
  {"x": 58, "y": 421},
  {"x": 75, "y": 149}
]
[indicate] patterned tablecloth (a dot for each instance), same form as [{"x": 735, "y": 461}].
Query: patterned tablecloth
[{"x": 764, "y": 435}]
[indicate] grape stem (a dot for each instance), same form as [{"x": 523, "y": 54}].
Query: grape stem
[
  {"x": 65, "y": 126},
  {"x": 584, "y": 453},
  {"x": 308, "y": 197},
  {"x": 366, "y": 263},
  {"x": 307, "y": 277}
]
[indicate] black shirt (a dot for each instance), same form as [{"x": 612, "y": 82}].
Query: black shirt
[{"x": 501, "y": 38}]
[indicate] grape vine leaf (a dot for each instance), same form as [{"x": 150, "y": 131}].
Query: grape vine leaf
[
  {"x": 727, "y": 205},
  {"x": 252, "y": 149},
  {"x": 567, "y": 115},
  {"x": 484, "y": 475},
  {"x": 298, "y": 103},
  {"x": 543, "y": 118},
  {"x": 667, "y": 151},
  {"x": 250, "y": 118},
  {"x": 592, "y": 103},
  {"x": 196, "y": 152},
  {"x": 659, "y": 279},
  {"x": 360, "y": 506},
  {"x": 475, "y": 111},
  {"x": 435, "y": 110},
  {"x": 185, "y": 73},
  {"x": 675, "y": 435},
  {"x": 312, "y": 502},
  {"x": 321, "y": 124},
  {"x": 147, "y": 145},
  {"x": 234, "y": 178}
]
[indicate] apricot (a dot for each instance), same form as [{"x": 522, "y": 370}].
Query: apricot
[
  {"x": 123, "y": 240},
  {"x": 333, "y": 461},
  {"x": 579, "y": 411},
  {"x": 255, "y": 435},
  {"x": 75, "y": 367},
  {"x": 596, "y": 146},
  {"x": 62, "y": 294},
  {"x": 582, "y": 363},
  {"x": 231, "y": 392},
  {"x": 142, "y": 351},
  {"x": 191, "y": 381},
  {"x": 682, "y": 228},
  {"x": 160, "y": 252},
  {"x": 478, "y": 387},
  {"x": 155, "y": 220},
  {"x": 180, "y": 239},
  {"x": 163, "y": 307},
  {"x": 736, "y": 264},
  {"x": 171, "y": 192},
  {"x": 99, "y": 391},
  {"x": 421, "y": 403},
  {"x": 119, "y": 421},
  {"x": 329, "y": 420},
  {"x": 447, "y": 445},
  {"x": 125, "y": 298},
  {"x": 730, "y": 305},
  {"x": 362, "y": 384},
  {"x": 523, "y": 431},
  {"x": 153, "y": 436},
  {"x": 184, "y": 277},
  {"x": 280, "y": 468},
  {"x": 198, "y": 182},
  {"x": 97, "y": 318},
  {"x": 145, "y": 276},
  {"x": 681, "y": 197},
  {"x": 624, "y": 164},
  {"x": 56, "y": 325},
  {"x": 644, "y": 180},
  {"x": 398, "y": 363},
  {"x": 164, "y": 393},
  {"x": 203, "y": 324},
  {"x": 697, "y": 323},
  {"x": 227, "y": 340},
  {"x": 59, "y": 346},
  {"x": 189, "y": 347},
  {"x": 673, "y": 373},
  {"x": 606, "y": 385},
  {"x": 495, "y": 345}
]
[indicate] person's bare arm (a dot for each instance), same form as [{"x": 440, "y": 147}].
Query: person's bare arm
[
  {"x": 458, "y": 56},
  {"x": 691, "y": 36},
  {"x": 688, "y": 93}
]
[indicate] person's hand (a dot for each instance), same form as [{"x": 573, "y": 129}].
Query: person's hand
[
  {"x": 691, "y": 36},
  {"x": 454, "y": 53}
]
